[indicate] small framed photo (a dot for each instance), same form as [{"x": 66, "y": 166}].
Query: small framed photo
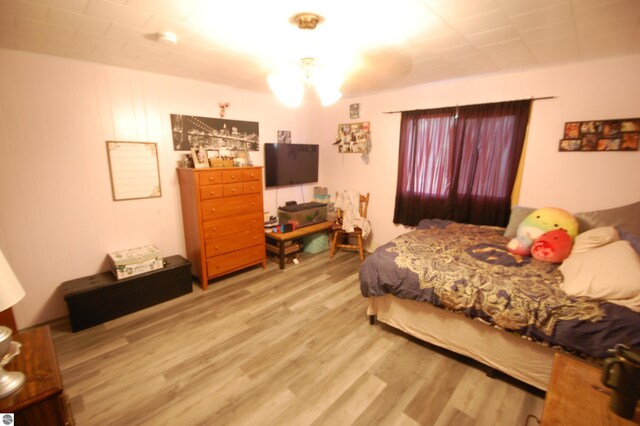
[
  {"x": 609, "y": 144},
  {"x": 572, "y": 130},
  {"x": 569, "y": 145},
  {"x": 200, "y": 159},
  {"x": 354, "y": 111},
  {"x": 630, "y": 141},
  {"x": 284, "y": 136},
  {"x": 610, "y": 128},
  {"x": 590, "y": 127},
  {"x": 589, "y": 143},
  {"x": 630, "y": 126},
  {"x": 243, "y": 158}
]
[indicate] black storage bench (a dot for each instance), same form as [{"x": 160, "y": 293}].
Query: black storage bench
[{"x": 102, "y": 297}]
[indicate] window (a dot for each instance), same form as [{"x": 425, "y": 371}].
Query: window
[{"x": 460, "y": 163}]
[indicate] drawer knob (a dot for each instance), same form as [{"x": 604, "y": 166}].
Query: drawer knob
[
  {"x": 214, "y": 229},
  {"x": 211, "y": 192},
  {"x": 233, "y": 190},
  {"x": 210, "y": 177},
  {"x": 213, "y": 210}
]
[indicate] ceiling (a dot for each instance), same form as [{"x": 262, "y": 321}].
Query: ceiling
[{"x": 383, "y": 45}]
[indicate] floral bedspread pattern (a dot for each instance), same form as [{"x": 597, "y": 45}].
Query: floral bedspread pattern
[{"x": 469, "y": 267}]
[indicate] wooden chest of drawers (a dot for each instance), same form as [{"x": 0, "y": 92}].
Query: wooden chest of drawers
[{"x": 223, "y": 219}]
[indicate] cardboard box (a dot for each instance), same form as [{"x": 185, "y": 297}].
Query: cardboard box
[{"x": 135, "y": 261}]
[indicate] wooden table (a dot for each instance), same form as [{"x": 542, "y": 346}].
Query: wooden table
[
  {"x": 281, "y": 238},
  {"x": 41, "y": 400},
  {"x": 577, "y": 397}
]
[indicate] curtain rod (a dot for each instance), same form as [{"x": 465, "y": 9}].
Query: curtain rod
[{"x": 455, "y": 106}]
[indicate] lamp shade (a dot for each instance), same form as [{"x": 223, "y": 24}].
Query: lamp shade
[{"x": 11, "y": 292}]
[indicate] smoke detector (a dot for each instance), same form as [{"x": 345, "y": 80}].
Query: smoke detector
[{"x": 166, "y": 38}]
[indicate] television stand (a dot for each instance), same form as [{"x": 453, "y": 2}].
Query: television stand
[{"x": 278, "y": 240}]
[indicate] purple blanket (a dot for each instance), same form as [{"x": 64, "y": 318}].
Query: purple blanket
[{"x": 466, "y": 268}]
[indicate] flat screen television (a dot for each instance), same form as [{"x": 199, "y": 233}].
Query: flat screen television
[{"x": 290, "y": 164}]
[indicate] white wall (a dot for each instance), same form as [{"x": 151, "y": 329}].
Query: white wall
[
  {"x": 57, "y": 216},
  {"x": 579, "y": 181}
]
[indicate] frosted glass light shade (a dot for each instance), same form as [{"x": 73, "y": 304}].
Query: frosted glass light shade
[
  {"x": 288, "y": 83},
  {"x": 287, "y": 88},
  {"x": 11, "y": 292}
]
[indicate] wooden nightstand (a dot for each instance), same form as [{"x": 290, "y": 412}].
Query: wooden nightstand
[
  {"x": 41, "y": 400},
  {"x": 575, "y": 396}
]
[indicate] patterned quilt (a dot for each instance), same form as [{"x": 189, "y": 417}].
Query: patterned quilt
[{"x": 467, "y": 269}]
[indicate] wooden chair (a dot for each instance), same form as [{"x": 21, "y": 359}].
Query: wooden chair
[{"x": 340, "y": 235}]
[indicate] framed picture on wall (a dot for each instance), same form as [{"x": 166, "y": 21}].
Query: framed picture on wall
[
  {"x": 353, "y": 137},
  {"x": 601, "y": 135},
  {"x": 284, "y": 136},
  {"x": 134, "y": 170}
]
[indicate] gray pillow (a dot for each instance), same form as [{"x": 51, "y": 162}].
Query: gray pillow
[
  {"x": 518, "y": 214},
  {"x": 633, "y": 239},
  {"x": 626, "y": 217}
]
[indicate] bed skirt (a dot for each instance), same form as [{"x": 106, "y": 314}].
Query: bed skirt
[{"x": 515, "y": 356}]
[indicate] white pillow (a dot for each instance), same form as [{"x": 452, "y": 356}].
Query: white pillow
[
  {"x": 594, "y": 238},
  {"x": 610, "y": 272}
]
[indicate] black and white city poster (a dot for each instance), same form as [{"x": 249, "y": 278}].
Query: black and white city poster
[{"x": 214, "y": 133}]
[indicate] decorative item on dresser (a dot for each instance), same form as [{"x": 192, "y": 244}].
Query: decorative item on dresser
[{"x": 223, "y": 219}]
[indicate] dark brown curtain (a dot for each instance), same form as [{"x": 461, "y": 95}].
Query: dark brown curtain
[{"x": 460, "y": 163}]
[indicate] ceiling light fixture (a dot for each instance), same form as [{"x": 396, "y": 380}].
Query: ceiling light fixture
[
  {"x": 288, "y": 83},
  {"x": 166, "y": 38}
]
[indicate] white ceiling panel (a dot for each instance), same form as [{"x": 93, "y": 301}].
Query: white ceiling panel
[
  {"x": 556, "y": 14},
  {"x": 77, "y": 6},
  {"x": 387, "y": 44},
  {"x": 45, "y": 29},
  {"x": 78, "y": 22},
  {"x": 28, "y": 10},
  {"x": 481, "y": 23},
  {"x": 118, "y": 13}
]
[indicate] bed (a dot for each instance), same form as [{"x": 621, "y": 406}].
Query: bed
[{"x": 456, "y": 286}]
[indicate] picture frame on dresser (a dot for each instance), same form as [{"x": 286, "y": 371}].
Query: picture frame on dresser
[{"x": 200, "y": 158}]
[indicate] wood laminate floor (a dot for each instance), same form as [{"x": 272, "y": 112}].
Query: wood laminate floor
[{"x": 276, "y": 347}]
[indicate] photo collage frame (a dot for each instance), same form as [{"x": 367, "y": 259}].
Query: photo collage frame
[{"x": 601, "y": 135}]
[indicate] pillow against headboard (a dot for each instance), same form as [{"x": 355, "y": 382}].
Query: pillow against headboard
[
  {"x": 594, "y": 238},
  {"x": 610, "y": 272},
  {"x": 627, "y": 217},
  {"x": 518, "y": 214}
]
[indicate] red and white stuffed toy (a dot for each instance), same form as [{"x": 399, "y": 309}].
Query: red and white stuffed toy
[{"x": 553, "y": 246}]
